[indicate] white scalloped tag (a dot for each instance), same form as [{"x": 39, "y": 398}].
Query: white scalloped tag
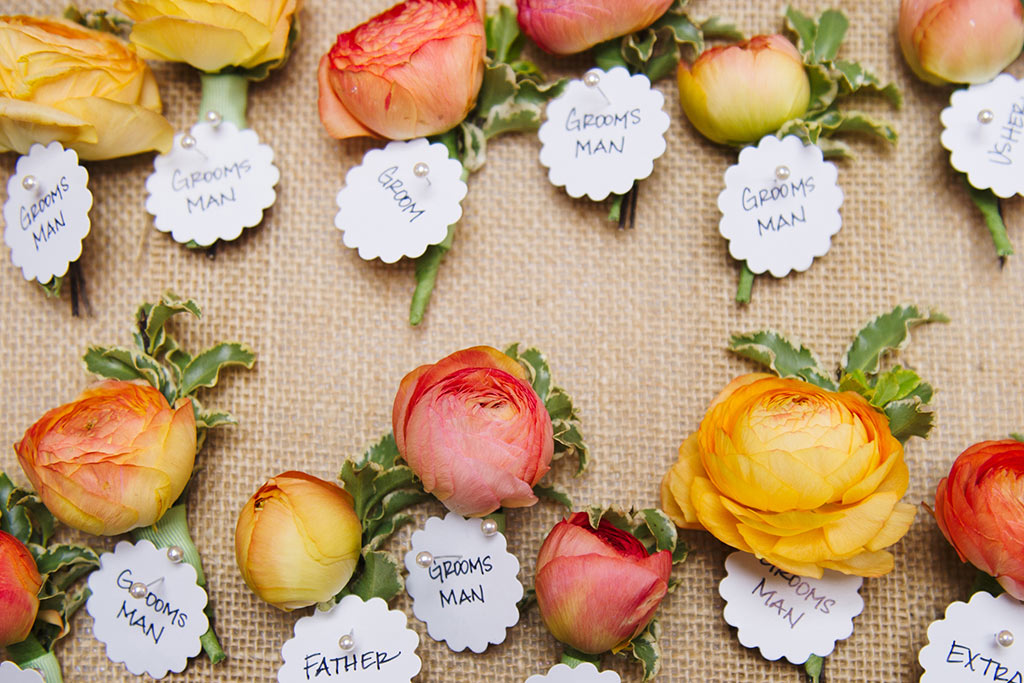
[
  {"x": 156, "y": 633},
  {"x": 780, "y": 206},
  {"x": 381, "y": 649},
  {"x": 47, "y": 216},
  {"x": 784, "y": 615},
  {"x": 984, "y": 133},
  {"x": 467, "y": 594},
  {"x": 215, "y": 188},
  {"x": 12, "y": 673},
  {"x": 583, "y": 673},
  {"x": 400, "y": 200},
  {"x": 603, "y": 133},
  {"x": 964, "y": 646}
]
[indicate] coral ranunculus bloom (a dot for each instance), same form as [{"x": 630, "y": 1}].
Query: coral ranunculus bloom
[
  {"x": 804, "y": 478},
  {"x": 597, "y": 589},
  {"x": 473, "y": 429},
  {"x": 412, "y": 71},
  {"x": 114, "y": 459},
  {"x": 960, "y": 41},
  {"x": 980, "y": 510},
  {"x": 565, "y": 27},
  {"x": 19, "y": 589}
]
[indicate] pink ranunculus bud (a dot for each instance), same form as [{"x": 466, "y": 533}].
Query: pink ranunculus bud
[
  {"x": 474, "y": 430},
  {"x": 412, "y": 71},
  {"x": 565, "y": 27},
  {"x": 19, "y": 590},
  {"x": 597, "y": 589},
  {"x": 960, "y": 41}
]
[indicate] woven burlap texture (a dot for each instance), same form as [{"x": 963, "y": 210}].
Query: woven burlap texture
[{"x": 634, "y": 324}]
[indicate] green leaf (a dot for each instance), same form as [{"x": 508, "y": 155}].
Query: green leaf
[
  {"x": 883, "y": 334},
  {"x": 553, "y": 493},
  {"x": 908, "y": 418},
  {"x": 662, "y": 529},
  {"x": 1017, "y": 436},
  {"x": 815, "y": 668},
  {"x": 832, "y": 26},
  {"x": 986, "y": 582},
  {"x": 528, "y": 600},
  {"x": 112, "y": 363},
  {"x": 824, "y": 89},
  {"x": 608, "y": 55},
  {"x": 384, "y": 452},
  {"x": 504, "y": 39},
  {"x": 988, "y": 204},
  {"x": 856, "y": 77},
  {"x": 537, "y": 369},
  {"x": 894, "y": 385},
  {"x": 647, "y": 651},
  {"x": 58, "y": 557},
  {"x": 781, "y": 356},
  {"x": 204, "y": 369},
  {"x": 499, "y": 86},
  {"x": 717, "y": 28},
  {"x": 152, "y": 318},
  {"x": 379, "y": 578},
  {"x": 14, "y": 519},
  {"x": 214, "y": 419},
  {"x": 805, "y": 28},
  {"x": 358, "y": 481},
  {"x": 388, "y": 520},
  {"x": 857, "y": 122},
  {"x": 427, "y": 267}
]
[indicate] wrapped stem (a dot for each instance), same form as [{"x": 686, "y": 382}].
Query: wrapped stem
[
  {"x": 988, "y": 205},
  {"x": 745, "y": 286},
  {"x": 226, "y": 94},
  {"x": 30, "y": 654}
]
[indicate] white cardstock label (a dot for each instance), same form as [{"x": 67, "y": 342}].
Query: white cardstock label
[
  {"x": 785, "y": 615},
  {"x": 12, "y": 673},
  {"x": 47, "y": 211},
  {"x": 603, "y": 133},
  {"x": 964, "y": 646},
  {"x": 380, "y": 648},
  {"x": 984, "y": 133},
  {"x": 155, "y": 633},
  {"x": 584, "y": 673},
  {"x": 467, "y": 594},
  {"x": 211, "y": 190},
  {"x": 780, "y": 206},
  {"x": 400, "y": 200}
]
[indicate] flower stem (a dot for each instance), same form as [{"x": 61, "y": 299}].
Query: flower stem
[
  {"x": 988, "y": 205},
  {"x": 172, "y": 529},
  {"x": 745, "y": 286},
  {"x": 574, "y": 657},
  {"x": 815, "y": 669},
  {"x": 225, "y": 94},
  {"x": 30, "y": 654}
]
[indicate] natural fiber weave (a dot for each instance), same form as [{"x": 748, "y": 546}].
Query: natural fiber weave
[{"x": 634, "y": 325}]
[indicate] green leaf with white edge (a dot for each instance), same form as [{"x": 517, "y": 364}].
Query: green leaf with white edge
[
  {"x": 781, "y": 356},
  {"x": 662, "y": 529},
  {"x": 646, "y": 650},
  {"x": 894, "y": 385},
  {"x": 815, "y": 668},
  {"x": 384, "y": 452},
  {"x": 824, "y": 89},
  {"x": 204, "y": 369},
  {"x": 538, "y": 371},
  {"x": 856, "y": 77},
  {"x": 608, "y": 55},
  {"x": 680, "y": 552},
  {"x": 555, "y": 494},
  {"x": 380, "y": 578},
  {"x": 884, "y": 334},
  {"x": 717, "y": 28},
  {"x": 559, "y": 405},
  {"x": 908, "y": 418},
  {"x": 835, "y": 121},
  {"x": 833, "y": 149},
  {"x": 151, "y": 319},
  {"x": 524, "y": 111},
  {"x": 112, "y": 363},
  {"x": 358, "y": 481},
  {"x": 387, "y": 519},
  {"x": 214, "y": 419},
  {"x": 805, "y": 28},
  {"x": 832, "y": 27},
  {"x": 13, "y": 519},
  {"x": 57, "y": 557},
  {"x": 472, "y": 144},
  {"x": 569, "y": 442},
  {"x": 499, "y": 86},
  {"x": 504, "y": 39}
]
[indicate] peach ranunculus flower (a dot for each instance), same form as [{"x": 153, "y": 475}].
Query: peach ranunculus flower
[
  {"x": 19, "y": 590},
  {"x": 565, "y": 27},
  {"x": 212, "y": 35},
  {"x": 473, "y": 429},
  {"x": 960, "y": 41},
  {"x": 978, "y": 508},
  {"x": 737, "y": 94},
  {"x": 84, "y": 88},
  {"x": 804, "y": 478},
  {"x": 114, "y": 459},
  {"x": 412, "y": 71},
  {"x": 297, "y": 540},
  {"x": 597, "y": 589}
]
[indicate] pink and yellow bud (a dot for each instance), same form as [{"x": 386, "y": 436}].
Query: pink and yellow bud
[
  {"x": 960, "y": 41},
  {"x": 597, "y": 589},
  {"x": 737, "y": 94},
  {"x": 114, "y": 459},
  {"x": 412, "y": 71},
  {"x": 19, "y": 590},
  {"x": 297, "y": 540},
  {"x": 565, "y": 27}
]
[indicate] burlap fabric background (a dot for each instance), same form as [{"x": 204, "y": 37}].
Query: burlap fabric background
[{"x": 633, "y": 323}]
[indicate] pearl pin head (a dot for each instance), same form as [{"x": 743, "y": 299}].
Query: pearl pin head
[
  {"x": 214, "y": 118},
  {"x": 424, "y": 559},
  {"x": 985, "y": 116},
  {"x": 782, "y": 172},
  {"x": 175, "y": 554},
  {"x": 421, "y": 170},
  {"x": 1004, "y": 638},
  {"x": 29, "y": 182},
  {"x": 347, "y": 643},
  {"x": 138, "y": 590},
  {"x": 489, "y": 527},
  {"x": 188, "y": 142},
  {"x": 591, "y": 79}
]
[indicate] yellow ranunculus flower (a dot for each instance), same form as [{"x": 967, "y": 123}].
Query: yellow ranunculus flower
[
  {"x": 804, "y": 478},
  {"x": 83, "y": 88},
  {"x": 212, "y": 34}
]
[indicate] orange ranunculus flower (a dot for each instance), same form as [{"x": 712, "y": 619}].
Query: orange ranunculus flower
[
  {"x": 565, "y": 27},
  {"x": 737, "y": 94},
  {"x": 804, "y": 478},
  {"x": 474, "y": 431},
  {"x": 297, "y": 540},
  {"x": 19, "y": 590},
  {"x": 86, "y": 89},
  {"x": 960, "y": 41},
  {"x": 114, "y": 459},
  {"x": 411, "y": 71},
  {"x": 978, "y": 508},
  {"x": 597, "y": 589}
]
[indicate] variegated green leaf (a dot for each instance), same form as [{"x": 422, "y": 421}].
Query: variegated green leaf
[
  {"x": 151, "y": 319},
  {"x": 646, "y": 650},
  {"x": 204, "y": 369},
  {"x": 884, "y": 334},
  {"x": 815, "y": 668},
  {"x": 384, "y": 452},
  {"x": 908, "y": 417},
  {"x": 379, "y": 578},
  {"x": 214, "y": 419},
  {"x": 555, "y": 494},
  {"x": 504, "y": 39},
  {"x": 832, "y": 26},
  {"x": 805, "y": 28},
  {"x": 781, "y": 356},
  {"x": 662, "y": 529}
]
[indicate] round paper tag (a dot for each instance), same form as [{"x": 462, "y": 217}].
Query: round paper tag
[
  {"x": 984, "y": 132},
  {"x": 400, "y": 200},
  {"x": 980, "y": 640},
  {"x": 780, "y": 206},
  {"x": 355, "y": 641},
  {"x": 784, "y": 615},
  {"x": 584, "y": 673},
  {"x": 12, "y": 673},
  {"x": 157, "y": 628},
  {"x": 47, "y": 211},
  {"x": 463, "y": 583},
  {"x": 212, "y": 187},
  {"x": 603, "y": 133}
]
